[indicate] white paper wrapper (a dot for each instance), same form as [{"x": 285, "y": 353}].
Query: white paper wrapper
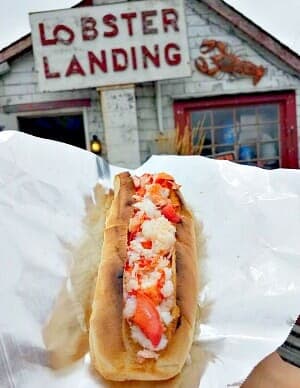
[{"x": 251, "y": 221}]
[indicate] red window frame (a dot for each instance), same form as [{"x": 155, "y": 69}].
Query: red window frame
[{"x": 287, "y": 109}]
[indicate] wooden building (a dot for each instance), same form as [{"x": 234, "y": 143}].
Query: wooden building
[{"x": 240, "y": 101}]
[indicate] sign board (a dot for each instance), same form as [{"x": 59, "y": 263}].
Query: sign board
[{"x": 120, "y": 43}]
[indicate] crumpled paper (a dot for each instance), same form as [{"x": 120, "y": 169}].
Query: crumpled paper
[{"x": 251, "y": 219}]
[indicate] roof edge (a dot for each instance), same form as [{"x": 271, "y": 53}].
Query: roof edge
[
  {"x": 255, "y": 32},
  {"x": 16, "y": 48},
  {"x": 229, "y": 13}
]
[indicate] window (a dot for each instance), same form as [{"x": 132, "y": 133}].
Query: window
[{"x": 258, "y": 130}]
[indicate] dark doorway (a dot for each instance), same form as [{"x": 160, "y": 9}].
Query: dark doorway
[{"x": 67, "y": 128}]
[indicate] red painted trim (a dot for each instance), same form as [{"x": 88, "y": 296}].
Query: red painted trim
[
  {"x": 288, "y": 117},
  {"x": 289, "y": 131},
  {"x": 49, "y": 105},
  {"x": 20, "y": 46},
  {"x": 84, "y": 3}
]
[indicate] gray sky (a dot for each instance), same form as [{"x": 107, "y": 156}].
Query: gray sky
[{"x": 281, "y": 18}]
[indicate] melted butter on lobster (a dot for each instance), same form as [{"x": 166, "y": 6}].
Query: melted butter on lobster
[{"x": 149, "y": 278}]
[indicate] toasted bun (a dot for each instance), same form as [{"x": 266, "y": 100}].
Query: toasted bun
[{"x": 112, "y": 350}]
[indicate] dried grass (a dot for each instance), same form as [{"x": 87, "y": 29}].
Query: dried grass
[{"x": 177, "y": 142}]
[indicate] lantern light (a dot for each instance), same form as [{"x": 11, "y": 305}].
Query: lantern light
[{"x": 96, "y": 145}]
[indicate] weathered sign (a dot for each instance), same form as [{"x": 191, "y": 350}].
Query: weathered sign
[{"x": 113, "y": 44}]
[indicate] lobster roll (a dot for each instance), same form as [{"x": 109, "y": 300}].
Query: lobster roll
[{"x": 145, "y": 302}]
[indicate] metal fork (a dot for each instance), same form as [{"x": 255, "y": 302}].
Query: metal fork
[{"x": 103, "y": 169}]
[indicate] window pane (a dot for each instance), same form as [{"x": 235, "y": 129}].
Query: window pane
[
  {"x": 268, "y": 150},
  {"x": 246, "y": 115},
  {"x": 246, "y": 125},
  {"x": 206, "y": 151},
  {"x": 268, "y": 113},
  {"x": 223, "y": 117},
  {"x": 207, "y": 137},
  {"x": 224, "y": 130},
  {"x": 247, "y": 152},
  {"x": 269, "y": 164},
  {"x": 201, "y": 119},
  {"x": 247, "y": 134},
  {"x": 269, "y": 131},
  {"x": 202, "y": 137},
  {"x": 224, "y": 149},
  {"x": 225, "y": 135}
]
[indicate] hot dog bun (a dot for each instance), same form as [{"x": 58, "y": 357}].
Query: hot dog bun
[{"x": 112, "y": 350}]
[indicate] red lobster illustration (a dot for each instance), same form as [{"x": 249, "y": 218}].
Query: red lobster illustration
[{"x": 226, "y": 62}]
